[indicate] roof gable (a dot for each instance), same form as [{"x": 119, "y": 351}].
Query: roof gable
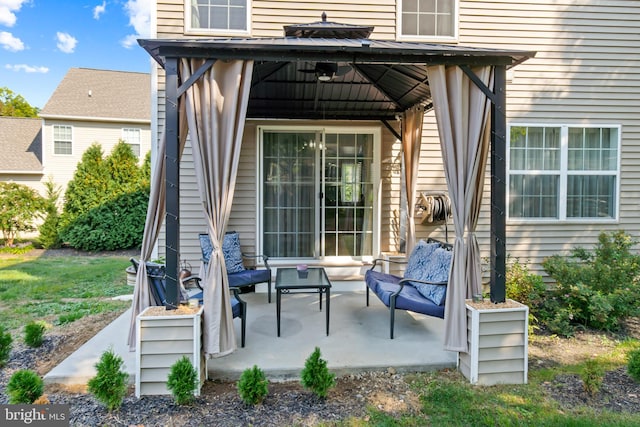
[{"x": 103, "y": 94}]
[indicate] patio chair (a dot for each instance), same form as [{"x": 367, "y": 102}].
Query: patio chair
[
  {"x": 239, "y": 275},
  {"x": 157, "y": 279}
]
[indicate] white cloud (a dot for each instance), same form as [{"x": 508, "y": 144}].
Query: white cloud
[
  {"x": 139, "y": 13},
  {"x": 98, "y": 10},
  {"x": 10, "y": 43},
  {"x": 66, "y": 42},
  {"x": 7, "y": 9},
  {"x": 27, "y": 68}
]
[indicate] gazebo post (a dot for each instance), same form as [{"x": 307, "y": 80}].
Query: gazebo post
[
  {"x": 172, "y": 182},
  {"x": 498, "y": 186}
]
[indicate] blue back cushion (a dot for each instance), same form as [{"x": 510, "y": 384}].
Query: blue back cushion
[
  {"x": 419, "y": 258},
  {"x": 232, "y": 253},
  {"x": 206, "y": 246},
  {"x": 435, "y": 270}
]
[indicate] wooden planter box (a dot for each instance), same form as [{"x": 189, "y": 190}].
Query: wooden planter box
[
  {"x": 497, "y": 337},
  {"x": 164, "y": 336}
]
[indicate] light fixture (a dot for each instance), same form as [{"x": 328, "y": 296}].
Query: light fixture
[{"x": 325, "y": 77}]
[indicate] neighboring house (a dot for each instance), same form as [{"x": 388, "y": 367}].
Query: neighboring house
[
  {"x": 21, "y": 148},
  {"x": 572, "y": 111},
  {"x": 89, "y": 106}
]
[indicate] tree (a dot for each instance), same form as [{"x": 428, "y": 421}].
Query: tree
[
  {"x": 20, "y": 206},
  {"x": 15, "y": 105},
  {"x": 123, "y": 169}
]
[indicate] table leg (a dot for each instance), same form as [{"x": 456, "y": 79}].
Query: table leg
[
  {"x": 328, "y": 302},
  {"x": 320, "y": 292},
  {"x": 278, "y": 294}
]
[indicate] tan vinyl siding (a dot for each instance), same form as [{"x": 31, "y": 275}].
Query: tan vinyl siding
[{"x": 585, "y": 72}]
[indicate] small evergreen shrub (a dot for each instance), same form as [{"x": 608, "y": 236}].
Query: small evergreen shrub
[
  {"x": 595, "y": 289},
  {"x": 592, "y": 376},
  {"x": 633, "y": 365},
  {"x": 49, "y": 229},
  {"x": 24, "y": 386},
  {"x": 34, "y": 333},
  {"x": 109, "y": 385},
  {"x": 316, "y": 376},
  {"x": 6, "y": 343},
  {"x": 253, "y": 386},
  {"x": 183, "y": 381},
  {"x": 527, "y": 288}
]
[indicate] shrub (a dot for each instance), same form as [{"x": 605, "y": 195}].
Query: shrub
[
  {"x": 183, "y": 381},
  {"x": 33, "y": 333},
  {"x": 316, "y": 376},
  {"x": 109, "y": 385},
  {"x": 19, "y": 207},
  {"x": 49, "y": 229},
  {"x": 633, "y": 365},
  {"x": 526, "y": 288},
  {"x": 24, "y": 386},
  {"x": 597, "y": 289},
  {"x": 6, "y": 342},
  {"x": 117, "y": 224},
  {"x": 592, "y": 376},
  {"x": 253, "y": 386}
]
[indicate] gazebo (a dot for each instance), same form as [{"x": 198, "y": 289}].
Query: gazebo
[{"x": 327, "y": 70}]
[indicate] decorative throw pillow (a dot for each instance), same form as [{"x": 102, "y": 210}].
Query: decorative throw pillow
[
  {"x": 232, "y": 253},
  {"x": 419, "y": 257},
  {"x": 435, "y": 270},
  {"x": 206, "y": 246}
]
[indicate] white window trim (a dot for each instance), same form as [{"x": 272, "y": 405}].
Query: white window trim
[
  {"x": 377, "y": 142},
  {"x": 411, "y": 37},
  {"x": 188, "y": 30},
  {"x": 53, "y": 140},
  {"x": 123, "y": 134},
  {"x": 564, "y": 172}
]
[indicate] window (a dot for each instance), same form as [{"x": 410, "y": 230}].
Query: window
[
  {"x": 428, "y": 18},
  {"x": 132, "y": 137},
  {"x": 62, "y": 142},
  {"x": 318, "y": 193},
  {"x": 222, "y": 16},
  {"x": 563, "y": 172}
]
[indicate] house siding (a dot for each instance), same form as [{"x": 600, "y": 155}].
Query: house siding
[
  {"x": 583, "y": 74},
  {"x": 84, "y": 134}
]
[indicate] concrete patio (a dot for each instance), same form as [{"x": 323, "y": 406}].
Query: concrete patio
[{"x": 358, "y": 340}]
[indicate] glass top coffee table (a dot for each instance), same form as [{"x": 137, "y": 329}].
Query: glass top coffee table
[{"x": 313, "y": 280}]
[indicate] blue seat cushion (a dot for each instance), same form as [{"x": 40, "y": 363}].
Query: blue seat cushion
[
  {"x": 248, "y": 277},
  {"x": 409, "y": 299},
  {"x": 236, "y": 308}
]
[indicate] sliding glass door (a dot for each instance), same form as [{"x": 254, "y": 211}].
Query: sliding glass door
[{"x": 317, "y": 194}]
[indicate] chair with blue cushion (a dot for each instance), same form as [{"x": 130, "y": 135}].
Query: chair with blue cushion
[
  {"x": 423, "y": 287},
  {"x": 158, "y": 287},
  {"x": 239, "y": 276}
]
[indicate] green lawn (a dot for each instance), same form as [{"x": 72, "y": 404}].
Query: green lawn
[
  {"x": 59, "y": 290},
  {"x": 63, "y": 289}
]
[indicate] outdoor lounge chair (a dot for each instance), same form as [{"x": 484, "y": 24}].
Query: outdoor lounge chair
[
  {"x": 157, "y": 279},
  {"x": 239, "y": 276}
]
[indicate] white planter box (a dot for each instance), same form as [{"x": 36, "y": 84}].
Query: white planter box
[
  {"x": 498, "y": 344},
  {"x": 162, "y": 341}
]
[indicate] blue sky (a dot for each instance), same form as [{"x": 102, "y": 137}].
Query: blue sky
[{"x": 40, "y": 40}]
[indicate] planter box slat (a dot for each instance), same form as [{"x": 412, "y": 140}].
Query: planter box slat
[
  {"x": 500, "y": 353},
  {"x": 166, "y": 347},
  {"x": 505, "y": 327},
  {"x": 170, "y": 333},
  {"x": 511, "y": 340}
]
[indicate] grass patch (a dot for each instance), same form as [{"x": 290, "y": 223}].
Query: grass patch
[{"x": 60, "y": 290}]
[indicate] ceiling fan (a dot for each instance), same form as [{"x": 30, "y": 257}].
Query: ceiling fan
[{"x": 326, "y": 71}]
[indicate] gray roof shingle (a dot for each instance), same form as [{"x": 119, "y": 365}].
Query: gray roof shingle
[
  {"x": 20, "y": 144},
  {"x": 105, "y": 94}
]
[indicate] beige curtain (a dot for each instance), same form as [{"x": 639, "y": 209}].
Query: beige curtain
[
  {"x": 155, "y": 217},
  {"x": 216, "y": 106},
  {"x": 411, "y": 140},
  {"x": 462, "y": 114}
]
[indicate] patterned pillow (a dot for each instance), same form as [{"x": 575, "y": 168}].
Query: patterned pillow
[
  {"x": 232, "y": 253},
  {"x": 435, "y": 270},
  {"x": 419, "y": 257}
]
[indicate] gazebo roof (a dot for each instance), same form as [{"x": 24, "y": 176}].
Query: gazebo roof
[{"x": 369, "y": 79}]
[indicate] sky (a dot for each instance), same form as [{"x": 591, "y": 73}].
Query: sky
[{"x": 40, "y": 40}]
